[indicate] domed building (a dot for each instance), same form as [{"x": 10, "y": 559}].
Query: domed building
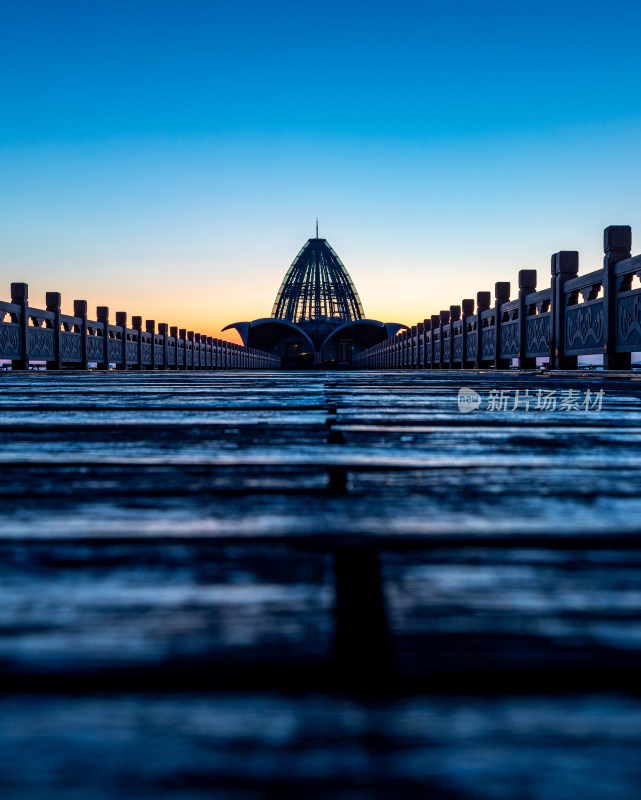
[{"x": 317, "y": 318}]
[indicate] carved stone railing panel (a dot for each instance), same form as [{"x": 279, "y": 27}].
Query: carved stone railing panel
[
  {"x": 510, "y": 339},
  {"x": 629, "y": 322},
  {"x": 94, "y": 348},
  {"x": 585, "y": 328},
  {"x": 628, "y": 305},
  {"x": 70, "y": 346},
  {"x": 537, "y": 336},
  {"x": 114, "y": 350},
  {"x": 488, "y": 342},
  {"x": 471, "y": 346},
  {"x": 458, "y": 347},
  {"x": 41, "y": 344},
  {"x": 10, "y": 347}
]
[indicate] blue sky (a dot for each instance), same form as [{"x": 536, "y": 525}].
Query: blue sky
[{"x": 170, "y": 158}]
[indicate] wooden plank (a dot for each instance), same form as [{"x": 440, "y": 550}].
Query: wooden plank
[
  {"x": 318, "y": 746},
  {"x": 167, "y": 537}
]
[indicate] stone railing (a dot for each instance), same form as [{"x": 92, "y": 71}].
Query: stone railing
[
  {"x": 74, "y": 342},
  {"x": 577, "y": 315}
]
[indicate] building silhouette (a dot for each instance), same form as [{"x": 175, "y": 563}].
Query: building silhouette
[
  {"x": 317, "y": 286},
  {"x": 317, "y": 318}
]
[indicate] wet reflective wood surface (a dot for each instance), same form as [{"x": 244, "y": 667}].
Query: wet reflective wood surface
[{"x": 332, "y": 584}]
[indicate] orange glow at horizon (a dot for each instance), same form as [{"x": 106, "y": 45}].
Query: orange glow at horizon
[
  {"x": 207, "y": 306},
  {"x": 206, "y": 294}
]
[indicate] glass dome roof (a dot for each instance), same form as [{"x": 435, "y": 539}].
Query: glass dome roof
[{"x": 317, "y": 286}]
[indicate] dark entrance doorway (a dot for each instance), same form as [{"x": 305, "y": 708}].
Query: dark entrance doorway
[{"x": 345, "y": 351}]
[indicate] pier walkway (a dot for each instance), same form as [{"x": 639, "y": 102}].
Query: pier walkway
[{"x": 320, "y": 584}]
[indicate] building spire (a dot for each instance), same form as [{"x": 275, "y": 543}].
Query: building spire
[{"x": 317, "y": 227}]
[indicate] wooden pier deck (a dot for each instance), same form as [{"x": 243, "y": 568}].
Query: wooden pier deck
[{"x": 319, "y": 584}]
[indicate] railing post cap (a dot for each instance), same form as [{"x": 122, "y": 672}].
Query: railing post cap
[
  {"x": 150, "y": 325},
  {"x": 444, "y": 316},
  {"x": 102, "y": 312},
  {"x": 483, "y": 299},
  {"x": 527, "y": 279},
  {"x": 19, "y": 291},
  {"x": 502, "y": 290},
  {"x": 565, "y": 262},
  {"x": 79, "y": 307},
  {"x": 121, "y": 317},
  {"x": 136, "y": 323},
  {"x": 435, "y": 320},
  {"x": 468, "y": 306},
  {"x": 617, "y": 237},
  {"x": 53, "y": 300},
  {"x": 455, "y": 313}
]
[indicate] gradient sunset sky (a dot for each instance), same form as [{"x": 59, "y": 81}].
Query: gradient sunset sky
[{"x": 169, "y": 159}]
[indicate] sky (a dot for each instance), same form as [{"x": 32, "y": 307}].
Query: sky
[{"x": 169, "y": 159}]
